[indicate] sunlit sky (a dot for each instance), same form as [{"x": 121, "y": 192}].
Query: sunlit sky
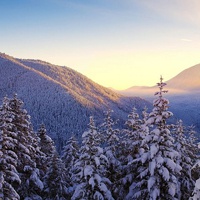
[{"x": 116, "y": 43}]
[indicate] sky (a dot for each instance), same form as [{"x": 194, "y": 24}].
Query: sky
[{"x": 116, "y": 43}]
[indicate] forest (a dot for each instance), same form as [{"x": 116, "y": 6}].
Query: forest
[{"x": 152, "y": 158}]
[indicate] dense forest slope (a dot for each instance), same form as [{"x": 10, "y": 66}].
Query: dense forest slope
[{"x": 60, "y": 97}]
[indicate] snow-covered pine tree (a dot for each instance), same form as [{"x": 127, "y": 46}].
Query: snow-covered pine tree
[
  {"x": 70, "y": 153},
  {"x": 183, "y": 147},
  {"x": 45, "y": 142},
  {"x": 89, "y": 179},
  {"x": 159, "y": 169},
  {"x": 129, "y": 147},
  {"x": 144, "y": 125},
  {"x": 135, "y": 133},
  {"x": 69, "y": 156},
  {"x": 110, "y": 137},
  {"x": 193, "y": 148},
  {"x": 9, "y": 177},
  {"x": 21, "y": 127},
  {"x": 192, "y": 144},
  {"x": 55, "y": 180},
  {"x": 47, "y": 147},
  {"x": 196, "y": 190}
]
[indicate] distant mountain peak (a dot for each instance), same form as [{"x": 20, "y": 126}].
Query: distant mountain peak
[{"x": 186, "y": 81}]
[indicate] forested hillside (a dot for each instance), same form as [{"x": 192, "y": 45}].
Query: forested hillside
[
  {"x": 60, "y": 97},
  {"x": 150, "y": 158}
]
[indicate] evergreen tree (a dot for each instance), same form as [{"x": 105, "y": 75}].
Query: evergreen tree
[
  {"x": 194, "y": 155},
  {"x": 159, "y": 169},
  {"x": 196, "y": 190},
  {"x": 137, "y": 130},
  {"x": 69, "y": 157},
  {"x": 46, "y": 144},
  {"x": 70, "y": 153},
  {"x": 110, "y": 137},
  {"x": 8, "y": 158},
  {"x": 192, "y": 145},
  {"x": 144, "y": 124},
  {"x": 90, "y": 182},
  {"x": 133, "y": 134},
  {"x": 21, "y": 128},
  {"x": 183, "y": 147},
  {"x": 47, "y": 148},
  {"x": 55, "y": 180}
]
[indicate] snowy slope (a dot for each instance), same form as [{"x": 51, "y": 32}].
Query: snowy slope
[{"x": 60, "y": 97}]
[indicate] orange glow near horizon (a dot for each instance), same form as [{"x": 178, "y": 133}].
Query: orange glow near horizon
[
  {"x": 117, "y": 44},
  {"x": 138, "y": 69}
]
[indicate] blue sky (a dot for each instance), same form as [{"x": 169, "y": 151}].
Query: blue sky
[{"x": 117, "y": 43}]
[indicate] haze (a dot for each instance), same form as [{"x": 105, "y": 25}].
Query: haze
[{"x": 116, "y": 43}]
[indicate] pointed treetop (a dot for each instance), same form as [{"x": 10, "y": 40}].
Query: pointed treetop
[
  {"x": 92, "y": 124},
  {"x": 91, "y": 121},
  {"x": 15, "y": 95},
  {"x": 161, "y": 86}
]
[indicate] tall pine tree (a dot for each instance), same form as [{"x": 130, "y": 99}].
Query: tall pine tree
[
  {"x": 110, "y": 136},
  {"x": 55, "y": 180},
  {"x": 90, "y": 182},
  {"x": 9, "y": 177},
  {"x": 183, "y": 147},
  {"x": 25, "y": 149},
  {"x": 69, "y": 158},
  {"x": 159, "y": 169},
  {"x": 47, "y": 147}
]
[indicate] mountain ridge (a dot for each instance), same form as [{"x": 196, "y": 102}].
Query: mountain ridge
[
  {"x": 60, "y": 97},
  {"x": 186, "y": 81},
  {"x": 29, "y": 64}
]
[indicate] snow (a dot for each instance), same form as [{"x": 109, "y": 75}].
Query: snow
[
  {"x": 156, "y": 131},
  {"x": 14, "y": 177},
  {"x": 91, "y": 182},
  {"x": 151, "y": 182},
  {"x": 103, "y": 157},
  {"x": 158, "y": 119},
  {"x": 197, "y": 184},
  {"x": 144, "y": 157},
  {"x": 98, "y": 196},
  {"x": 152, "y": 166},
  {"x": 159, "y": 161},
  {"x": 97, "y": 161},
  {"x": 88, "y": 170},
  {"x": 100, "y": 150},
  {"x": 165, "y": 173},
  {"x": 27, "y": 168},
  {"x": 155, "y": 194},
  {"x": 103, "y": 187},
  {"x": 35, "y": 178},
  {"x": 150, "y": 120},
  {"x": 170, "y": 163},
  {"x": 153, "y": 150},
  {"x": 144, "y": 173},
  {"x": 172, "y": 189}
]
